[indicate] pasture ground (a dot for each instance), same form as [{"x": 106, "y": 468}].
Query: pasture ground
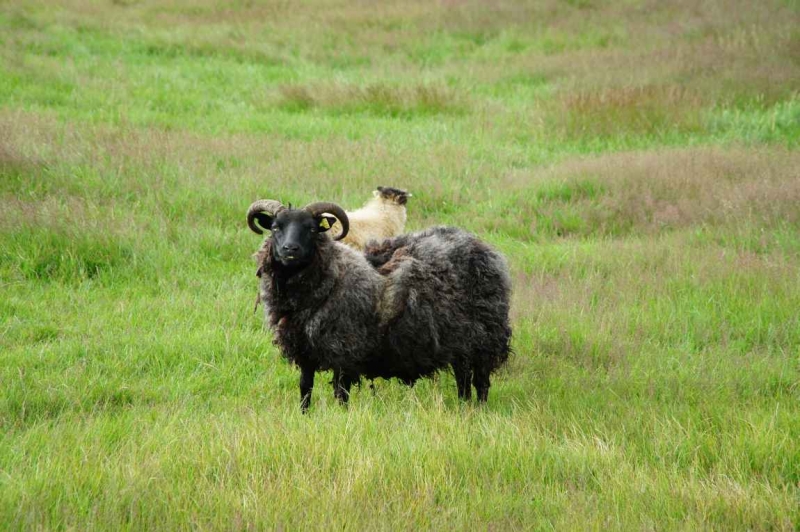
[{"x": 637, "y": 161}]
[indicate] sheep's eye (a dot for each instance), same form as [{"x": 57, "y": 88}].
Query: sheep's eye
[{"x": 276, "y": 229}]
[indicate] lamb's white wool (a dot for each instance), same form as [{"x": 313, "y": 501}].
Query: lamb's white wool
[{"x": 381, "y": 217}]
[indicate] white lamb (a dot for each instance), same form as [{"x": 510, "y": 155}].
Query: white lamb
[{"x": 383, "y": 216}]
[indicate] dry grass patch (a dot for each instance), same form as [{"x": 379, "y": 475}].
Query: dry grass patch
[
  {"x": 648, "y": 110},
  {"x": 725, "y": 52},
  {"x": 377, "y": 98},
  {"x": 605, "y": 307},
  {"x": 678, "y": 188},
  {"x": 723, "y": 67},
  {"x": 647, "y": 192},
  {"x": 12, "y": 163}
]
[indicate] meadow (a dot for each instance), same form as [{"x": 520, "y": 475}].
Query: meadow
[{"x": 637, "y": 161}]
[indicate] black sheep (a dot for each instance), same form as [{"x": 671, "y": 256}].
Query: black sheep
[{"x": 406, "y": 308}]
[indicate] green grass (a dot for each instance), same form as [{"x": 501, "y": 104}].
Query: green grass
[{"x": 636, "y": 161}]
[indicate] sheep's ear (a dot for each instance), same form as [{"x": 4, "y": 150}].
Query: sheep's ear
[
  {"x": 325, "y": 222},
  {"x": 264, "y": 220}
]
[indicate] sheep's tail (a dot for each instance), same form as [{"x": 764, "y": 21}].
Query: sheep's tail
[
  {"x": 498, "y": 349},
  {"x": 507, "y": 352}
]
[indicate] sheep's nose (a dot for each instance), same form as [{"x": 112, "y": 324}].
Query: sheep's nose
[{"x": 290, "y": 248}]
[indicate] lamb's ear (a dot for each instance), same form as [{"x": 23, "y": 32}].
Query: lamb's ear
[
  {"x": 324, "y": 222},
  {"x": 264, "y": 220}
]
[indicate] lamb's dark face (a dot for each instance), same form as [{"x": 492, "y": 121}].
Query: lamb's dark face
[
  {"x": 395, "y": 195},
  {"x": 294, "y": 236}
]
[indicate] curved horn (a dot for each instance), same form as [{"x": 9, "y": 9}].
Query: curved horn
[
  {"x": 271, "y": 207},
  {"x": 318, "y": 208}
]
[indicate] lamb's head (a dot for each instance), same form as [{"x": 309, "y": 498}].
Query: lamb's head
[
  {"x": 295, "y": 232},
  {"x": 393, "y": 195}
]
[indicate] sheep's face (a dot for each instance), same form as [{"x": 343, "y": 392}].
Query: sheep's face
[
  {"x": 393, "y": 195},
  {"x": 294, "y": 235}
]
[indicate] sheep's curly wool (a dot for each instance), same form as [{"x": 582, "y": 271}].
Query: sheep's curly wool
[{"x": 408, "y": 307}]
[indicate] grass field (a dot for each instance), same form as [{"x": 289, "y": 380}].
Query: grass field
[{"x": 638, "y": 162}]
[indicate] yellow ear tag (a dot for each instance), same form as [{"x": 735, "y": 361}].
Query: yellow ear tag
[{"x": 325, "y": 224}]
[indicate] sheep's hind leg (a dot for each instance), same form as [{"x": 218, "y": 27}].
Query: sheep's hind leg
[
  {"x": 306, "y": 385},
  {"x": 480, "y": 380},
  {"x": 341, "y": 386},
  {"x": 463, "y": 376}
]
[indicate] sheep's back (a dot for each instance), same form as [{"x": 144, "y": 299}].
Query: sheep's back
[
  {"x": 450, "y": 293},
  {"x": 469, "y": 264}
]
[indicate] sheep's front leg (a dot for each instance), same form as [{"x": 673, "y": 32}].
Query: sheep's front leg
[{"x": 306, "y": 385}]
